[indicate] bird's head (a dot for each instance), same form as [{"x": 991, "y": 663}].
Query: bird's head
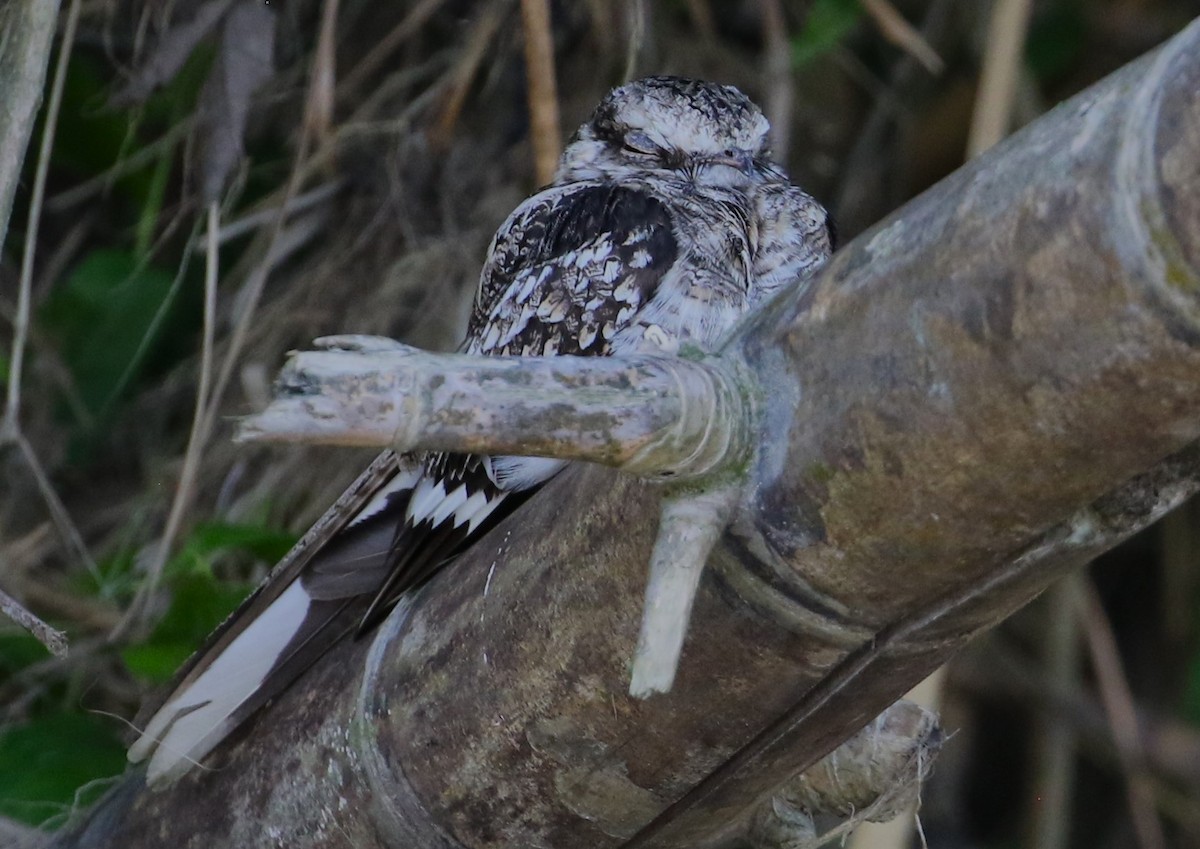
[{"x": 707, "y": 132}]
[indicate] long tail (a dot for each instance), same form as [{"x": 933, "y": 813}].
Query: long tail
[
  {"x": 405, "y": 523},
  {"x": 304, "y": 608},
  {"x": 237, "y": 682}
]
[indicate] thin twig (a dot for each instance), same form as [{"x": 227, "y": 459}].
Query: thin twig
[
  {"x": 54, "y": 640},
  {"x": 318, "y": 116},
  {"x": 635, "y": 14},
  {"x": 209, "y": 401},
  {"x": 868, "y": 184},
  {"x": 478, "y": 41},
  {"x": 10, "y": 428},
  {"x": 161, "y": 311},
  {"x": 1122, "y": 717},
  {"x": 264, "y": 215},
  {"x": 63, "y": 255},
  {"x": 252, "y": 292},
  {"x": 196, "y": 441},
  {"x": 992, "y": 118},
  {"x": 402, "y": 122},
  {"x": 271, "y": 207},
  {"x": 12, "y": 409},
  {"x": 393, "y": 86},
  {"x": 382, "y": 50},
  {"x": 58, "y": 511},
  {"x": 544, "y": 129},
  {"x": 777, "y": 76},
  {"x": 145, "y": 154},
  {"x": 896, "y": 29},
  {"x": 702, "y": 19},
  {"x": 1057, "y": 738},
  {"x": 86, "y": 614},
  {"x": 1180, "y": 533}
]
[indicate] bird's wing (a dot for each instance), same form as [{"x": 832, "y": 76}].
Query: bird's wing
[
  {"x": 569, "y": 269},
  {"x": 281, "y": 628}
]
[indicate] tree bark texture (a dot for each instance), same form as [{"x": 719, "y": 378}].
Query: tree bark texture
[{"x": 987, "y": 389}]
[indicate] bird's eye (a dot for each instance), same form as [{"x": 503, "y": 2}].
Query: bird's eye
[{"x": 639, "y": 143}]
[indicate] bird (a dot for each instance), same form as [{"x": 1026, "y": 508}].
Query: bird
[{"x": 665, "y": 222}]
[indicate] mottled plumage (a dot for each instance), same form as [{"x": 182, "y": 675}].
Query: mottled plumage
[{"x": 664, "y": 223}]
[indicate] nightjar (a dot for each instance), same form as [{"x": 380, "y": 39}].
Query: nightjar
[{"x": 664, "y": 224}]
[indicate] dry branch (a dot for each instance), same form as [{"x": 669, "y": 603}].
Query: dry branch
[
  {"x": 986, "y": 390},
  {"x": 1002, "y": 66},
  {"x": 544, "y": 130},
  {"x": 650, "y": 415},
  {"x": 54, "y": 640},
  {"x": 904, "y": 35}
]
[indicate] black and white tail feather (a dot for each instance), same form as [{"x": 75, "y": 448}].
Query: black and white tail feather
[{"x": 664, "y": 224}]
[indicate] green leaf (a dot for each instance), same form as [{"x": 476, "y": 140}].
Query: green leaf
[
  {"x": 90, "y": 136},
  {"x": 116, "y": 578},
  {"x": 828, "y": 23},
  {"x": 200, "y": 603},
  {"x": 93, "y": 135},
  {"x": 157, "y": 662},
  {"x": 102, "y": 314},
  {"x": 265, "y": 543},
  {"x": 43, "y": 761},
  {"x": 1056, "y": 39},
  {"x": 18, "y": 651}
]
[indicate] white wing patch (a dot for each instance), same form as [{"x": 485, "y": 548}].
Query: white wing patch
[
  {"x": 428, "y": 494},
  {"x": 449, "y": 505},
  {"x": 476, "y": 509},
  {"x": 191, "y": 723},
  {"x": 404, "y": 480},
  {"x": 518, "y": 473},
  {"x": 431, "y": 502}
]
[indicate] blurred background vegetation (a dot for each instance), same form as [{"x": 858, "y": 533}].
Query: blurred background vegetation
[{"x": 400, "y": 135}]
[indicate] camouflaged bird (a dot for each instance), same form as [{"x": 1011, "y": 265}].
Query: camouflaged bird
[{"x": 664, "y": 224}]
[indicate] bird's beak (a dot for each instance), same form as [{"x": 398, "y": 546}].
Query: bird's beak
[{"x": 742, "y": 160}]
